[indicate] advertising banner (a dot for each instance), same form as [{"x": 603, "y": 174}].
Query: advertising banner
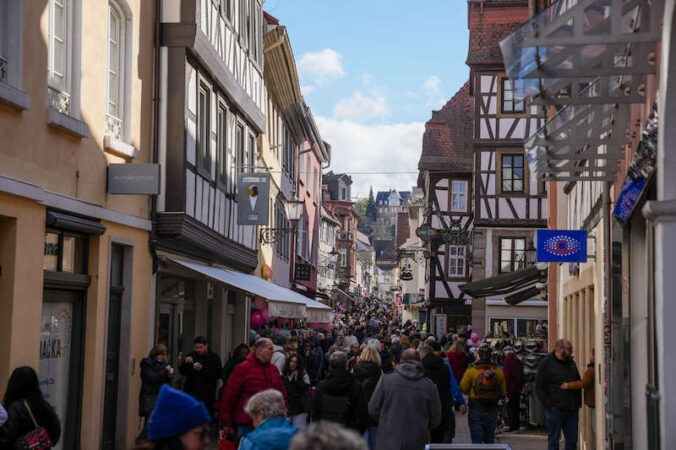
[
  {"x": 562, "y": 246},
  {"x": 253, "y": 198}
]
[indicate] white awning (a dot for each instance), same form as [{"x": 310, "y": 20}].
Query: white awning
[{"x": 282, "y": 302}]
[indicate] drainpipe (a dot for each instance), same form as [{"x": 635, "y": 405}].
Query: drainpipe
[{"x": 608, "y": 312}]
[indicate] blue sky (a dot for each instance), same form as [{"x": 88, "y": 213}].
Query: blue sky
[{"x": 372, "y": 71}]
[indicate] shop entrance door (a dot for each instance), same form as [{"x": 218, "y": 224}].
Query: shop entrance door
[{"x": 61, "y": 356}]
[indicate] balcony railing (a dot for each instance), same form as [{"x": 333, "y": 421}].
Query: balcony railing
[
  {"x": 59, "y": 101},
  {"x": 114, "y": 127}
]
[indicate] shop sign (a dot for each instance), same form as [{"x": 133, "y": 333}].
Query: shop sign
[
  {"x": 425, "y": 232},
  {"x": 303, "y": 272},
  {"x": 253, "y": 197},
  {"x": 640, "y": 171},
  {"x": 561, "y": 246},
  {"x": 134, "y": 179},
  {"x": 441, "y": 325}
]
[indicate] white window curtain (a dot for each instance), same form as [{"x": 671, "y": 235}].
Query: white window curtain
[
  {"x": 115, "y": 89},
  {"x": 59, "y": 11}
]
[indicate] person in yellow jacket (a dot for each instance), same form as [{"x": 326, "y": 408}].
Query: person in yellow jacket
[{"x": 485, "y": 384}]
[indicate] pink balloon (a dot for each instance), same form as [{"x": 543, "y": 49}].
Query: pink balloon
[
  {"x": 257, "y": 319},
  {"x": 474, "y": 337},
  {"x": 264, "y": 312}
]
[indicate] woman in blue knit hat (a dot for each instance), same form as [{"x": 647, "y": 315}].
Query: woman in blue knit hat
[{"x": 178, "y": 422}]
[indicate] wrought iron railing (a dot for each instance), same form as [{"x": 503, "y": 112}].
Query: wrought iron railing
[
  {"x": 114, "y": 127},
  {"x": 59, "y": 101}
]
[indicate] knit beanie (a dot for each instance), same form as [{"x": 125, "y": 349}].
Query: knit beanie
[{"x": 175, "y": 413}]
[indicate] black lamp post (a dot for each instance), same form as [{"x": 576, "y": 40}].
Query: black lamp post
[{"x": 531, "y": 254}]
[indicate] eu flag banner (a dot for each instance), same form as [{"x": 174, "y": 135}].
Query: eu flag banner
[{"x": 562, "y": 245}]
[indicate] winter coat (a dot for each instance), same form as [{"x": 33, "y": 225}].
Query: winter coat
[
  {"x": 340, "y": 383},
  {"x": 249, "y": 377},
  {"x": 297, "y": 390},
  {"x": 153, "y": 375},
  {"x": 395, "y": 350},
  {"x": 551, "y": 373},
  {"x": 19, "y": 422},
  {"x": 586, "y": 383},
  {"x": 368, "y": 374},
  {"x": 469, "y": 380},
  {"x": 201, "y": 384},
  {"x": 228, "y": 368},
  {"x": 279, "y": 358},
  {"x": 459, "y": 363},
  {"x": 438, "y": 372},
  {"x": 512, "y": 367},
  {"x": 313, "y": 364},
  {"x": 407, "y": 406},
  {"x": 273, "y": 434}
]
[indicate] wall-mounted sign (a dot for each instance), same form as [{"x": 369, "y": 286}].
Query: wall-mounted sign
[
  {"x": 640, "y": 171},
  {"x": 425, "y": 232},
  {"x": 253, "y": 194},
  {"x": 134, "y": 179},
  {"x": 303, "y": 272},
  {"x": 562, "y": 245}
]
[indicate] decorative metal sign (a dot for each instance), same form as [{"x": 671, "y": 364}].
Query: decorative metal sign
[
  {"x": 303, "y": 272},
  {"x": 253, "y": 193},
  {"x": 406, "y": 273},
  {"x": 134, "y": 179},
  {"x": 562, "y": 246},
  {"x": 425, "y": 232}
]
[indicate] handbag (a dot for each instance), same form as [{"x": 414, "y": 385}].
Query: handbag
[
  {"x": 38, "y": 439},
  {"x": 227, "y": 439}
]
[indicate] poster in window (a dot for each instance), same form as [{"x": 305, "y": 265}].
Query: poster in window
[{"x": 55, "y": 351}]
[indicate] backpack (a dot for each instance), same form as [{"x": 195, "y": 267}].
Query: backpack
[
  {"x": 486, "y": 386},
  {"x": 334, "y": 408}
]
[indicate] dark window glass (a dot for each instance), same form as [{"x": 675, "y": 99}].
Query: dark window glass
[
  {"x": 512, "y": 173},
  {"x": 203, "y": 155},
  {"x": 512, "y": 99},
  {"x": 222, "y": 167}
]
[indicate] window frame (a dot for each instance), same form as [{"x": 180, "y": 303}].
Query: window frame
[
  {"x": 203, "y": 142},
  {"x": 499, "y": 175},
  {"x": 456, "y": 257},
  {"x": 513, "y": 261},
  {"x": 222, "y": 163},
  {"x": 113, "y": 7},
  {"x": 503, "y": 90},
  {"x": 451, "y": 193}
]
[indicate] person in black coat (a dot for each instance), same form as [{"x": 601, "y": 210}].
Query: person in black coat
[
  {"x": 202, "y": 369},
  {"x": 438, "y": 372},
  {"x": 155, "y": 371},
  {"x": 297, "y": 385},
  {"x": 23, "y": 389},
  {"x": 367, "y": 372},
  {"x": 339, "y": 398}
]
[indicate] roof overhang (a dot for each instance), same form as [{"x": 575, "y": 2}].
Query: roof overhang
[{"x": 506, "y": 283}]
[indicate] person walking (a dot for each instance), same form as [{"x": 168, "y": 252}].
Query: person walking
[
  {"x": 281, "y": 352},
  {"x": 458, "y": 359},
  {"x": 178, "y": 422},
  {"x": 314, "y": 359},
  {"x": 406, "y": 405},
  {"x": 484, "y": 382},
  {"x": 202, "y": 369},
  {"x": 339, "y": 398},
  {"x": 436, "y": 370},
  {"x": 271, "y": 429},
  {"x": 155, "y": 372},
  {"x": 327, "y": 436},
  {"x": 367, "y": 372},
  {"x": 238, "y": 355},
  {"x": 561, "y": 405},
  {"x": 27, "y": 410},
  {"x": 297, "y": 385},
  {"x": 250, "y": 377},
  {"x": 514, "y": 378}
]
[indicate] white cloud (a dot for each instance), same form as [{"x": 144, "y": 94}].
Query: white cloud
[
  {"x": 307, "y": 89},
  {"x": 359, "y": 107},
  {"x": 433, "y": 92},
  {"x": 322, "y": 66},
  {"x": 381, "y": 148}
]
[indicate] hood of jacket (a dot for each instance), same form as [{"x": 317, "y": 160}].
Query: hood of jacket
[
  {"x": 273, "y": 434},
  {"x": 366, "y": 369},
  {"x": 413, "y": 370},
  {"x": 338, "y": 381},
  {"x": 432, "y": 362}
]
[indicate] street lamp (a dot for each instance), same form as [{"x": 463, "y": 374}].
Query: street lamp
[
  {"x": 531, "y": 254},
  {"x": 294, "y": 211}
]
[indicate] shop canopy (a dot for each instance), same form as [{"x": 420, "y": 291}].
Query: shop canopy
[
  {"x": 520, "y": 284},
  {"x": 589, "y": 58},
  {"x": 282, "y": 302}
]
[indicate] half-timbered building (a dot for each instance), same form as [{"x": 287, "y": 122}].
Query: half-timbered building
[
  {"x": 446, "y": 175},
  {"x": 509, "y": 205}
]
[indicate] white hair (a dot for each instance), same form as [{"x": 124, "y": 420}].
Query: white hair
[
  {"x": 270, "y": 402},
  {"x": 373, "y": 342}
]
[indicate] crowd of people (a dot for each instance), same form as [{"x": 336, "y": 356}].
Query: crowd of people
[{"x": 367, "y": 382}]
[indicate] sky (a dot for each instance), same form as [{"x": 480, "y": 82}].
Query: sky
[{"x": 372, "y": 71}]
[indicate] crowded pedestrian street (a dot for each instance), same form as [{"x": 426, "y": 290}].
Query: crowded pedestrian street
[{"x": 337, "y": 224}]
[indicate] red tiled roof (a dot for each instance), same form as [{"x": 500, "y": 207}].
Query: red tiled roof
[
  {"x": 484, "y": 40},
  {"x": 270, "y": 18},
  {"x": 447, "y": 142}
]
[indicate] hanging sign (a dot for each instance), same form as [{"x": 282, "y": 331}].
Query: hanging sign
[
  {"x": 253, "y": 193},
  {"x": 303, "y": 272},
  {"x": 562, "y": 246}
]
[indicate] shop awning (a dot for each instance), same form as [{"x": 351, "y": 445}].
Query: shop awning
[
  {"x": 590, "y": 58},
  {"x": 506, "y": 283},
  {"x": 282, "y": 302}
]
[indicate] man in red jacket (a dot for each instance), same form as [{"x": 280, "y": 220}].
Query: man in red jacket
[{"x": 253, "y": 375}]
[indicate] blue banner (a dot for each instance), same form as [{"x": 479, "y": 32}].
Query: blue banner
[{"x": 562, "y": 245}]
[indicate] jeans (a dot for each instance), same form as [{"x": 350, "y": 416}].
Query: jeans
[
  {"x": 482, "y": 426},
  {"x": 558, "y": 420},
  {"x": 370, "y": 437}
]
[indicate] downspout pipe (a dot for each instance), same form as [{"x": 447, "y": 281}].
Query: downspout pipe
[
  {"x": 608, "y": 308},
  {"x": 155, "y": 130}
]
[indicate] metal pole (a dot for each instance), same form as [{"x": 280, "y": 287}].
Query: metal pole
[{"x": 607, "y": 313}]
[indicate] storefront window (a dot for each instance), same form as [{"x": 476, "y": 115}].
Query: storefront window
[
  {"x": 65, "y": 252},
  {"x": 526, "y": 327},
  {"x": 501, "y": 327},
  {"x": 51, "y": 256}
]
